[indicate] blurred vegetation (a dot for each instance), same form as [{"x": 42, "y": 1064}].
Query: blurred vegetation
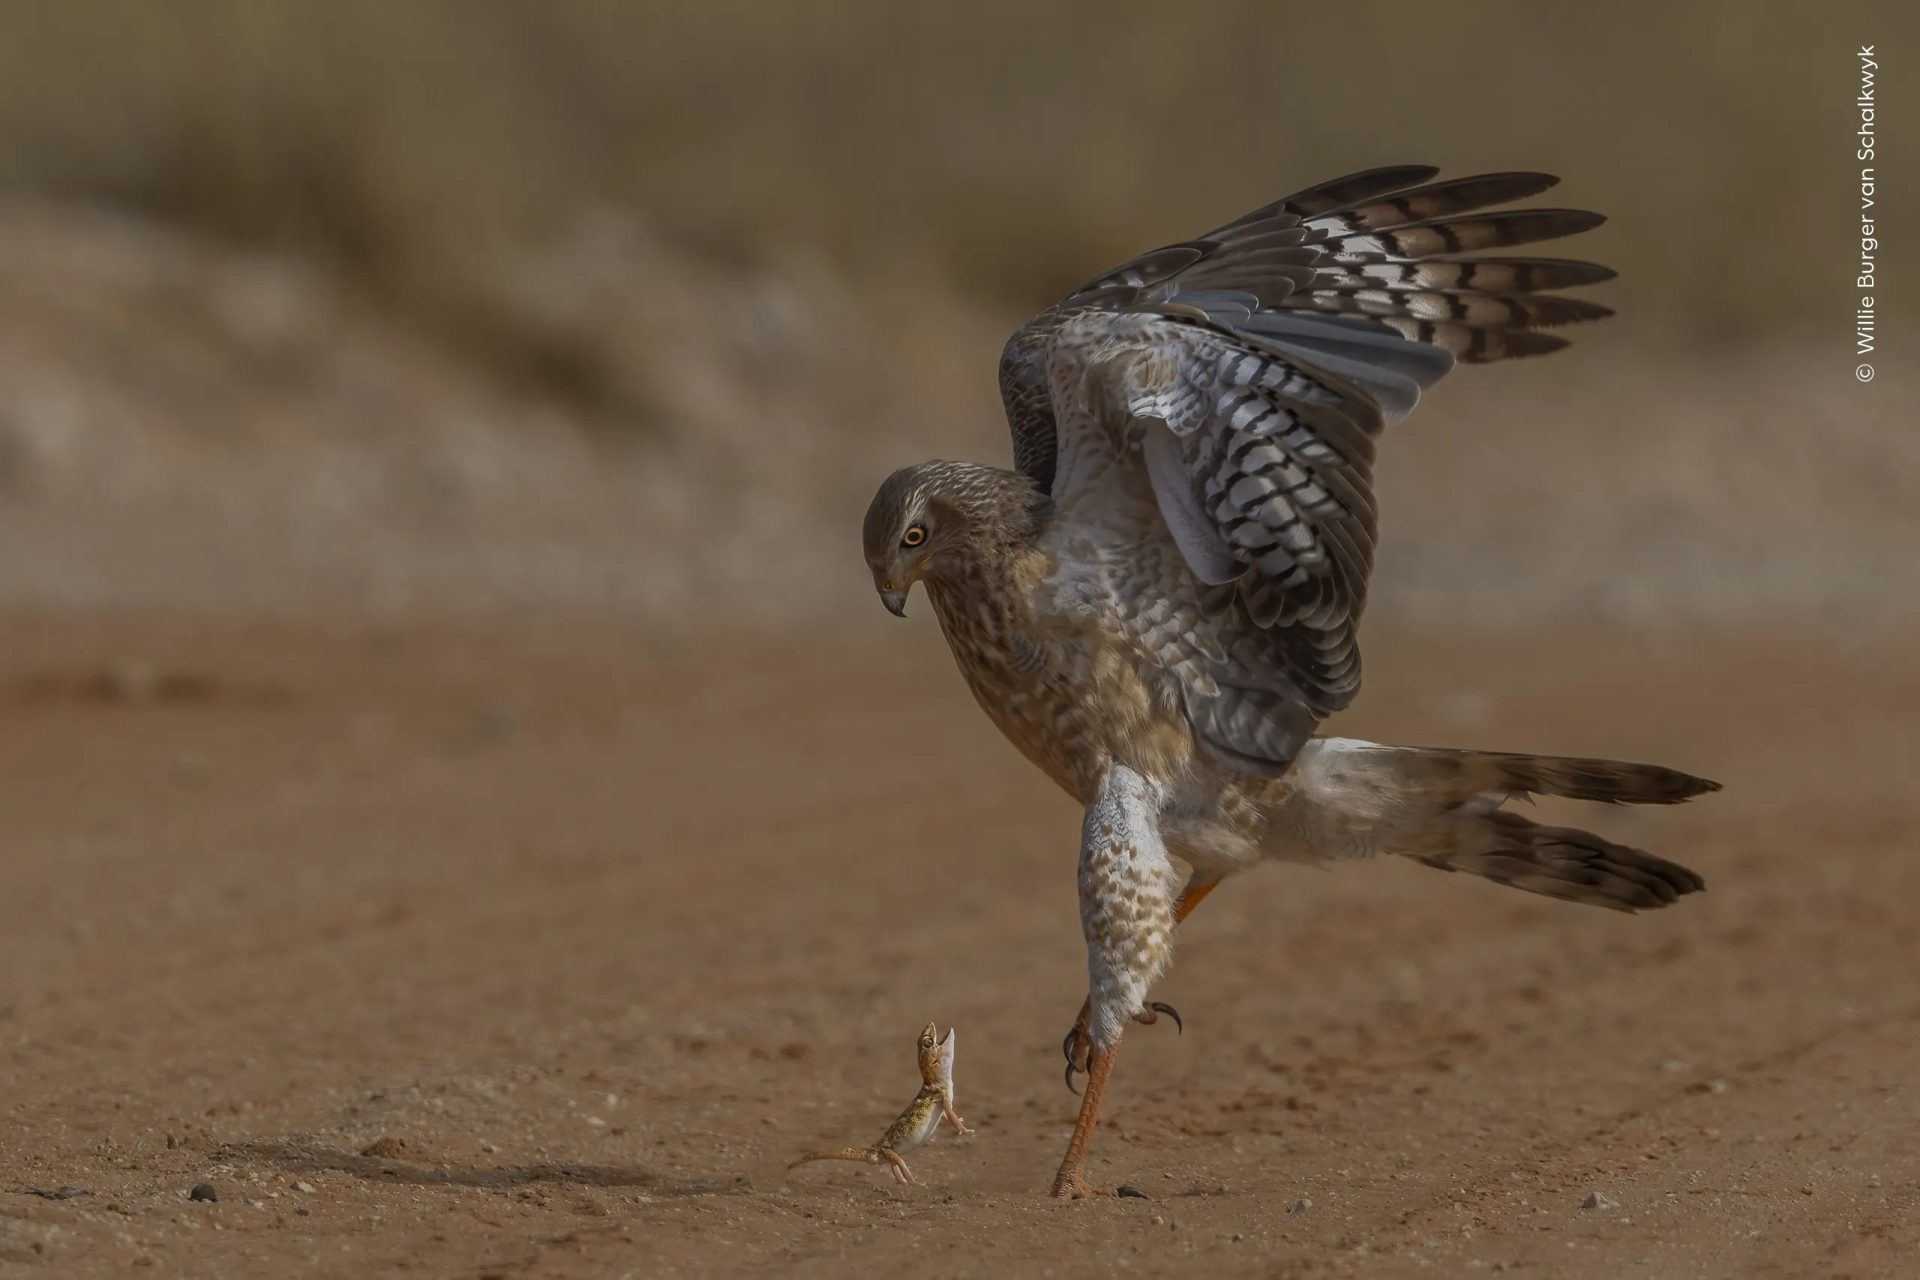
[
  {"x": 639, "y": 262},
  {"x": 1009, "y": 149}
]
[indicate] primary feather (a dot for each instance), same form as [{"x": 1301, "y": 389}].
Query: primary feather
[{"x": 1273, "y": 351}]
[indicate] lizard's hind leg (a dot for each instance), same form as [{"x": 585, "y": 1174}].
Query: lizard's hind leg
[{"x": 899, "y": 1164}]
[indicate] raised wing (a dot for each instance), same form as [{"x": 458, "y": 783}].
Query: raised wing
[{"x": 1248, "y": 373}]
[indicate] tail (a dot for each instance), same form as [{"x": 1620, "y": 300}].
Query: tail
[
  {"x": 860, "y": 1155},
  {"x": 1513, "y": 774},
  {"x": 1442, "y": 808},
  {"x": 1562, "y": 862}
]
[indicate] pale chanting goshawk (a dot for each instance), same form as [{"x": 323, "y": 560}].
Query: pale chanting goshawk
[{"x": 1160, "y": 603}]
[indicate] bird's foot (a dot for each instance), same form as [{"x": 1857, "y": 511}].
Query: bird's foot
[
  {"x": 1151, "y": 1014},
  {"x": 1078, "y": 1044},
  {"x": 1076, "y": 1187}
]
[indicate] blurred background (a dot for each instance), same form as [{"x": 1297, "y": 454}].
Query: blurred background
[
  {"x": 457, "y": 778},
  {"x": 627, "y": 306}
]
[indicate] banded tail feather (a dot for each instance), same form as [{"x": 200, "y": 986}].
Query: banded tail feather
[
  {"x": 1565, "y": 863},
  {"x": 1560, "y": 862},
  {"x": 1467, "y": 774},
  {"x": 1602, "y": 781},
  {"x": 1442, "y": 808}
]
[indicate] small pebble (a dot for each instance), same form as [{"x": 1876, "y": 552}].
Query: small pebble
[
  {"x": 303, "y": 1186},
  {"x": 1300, "y": 1206},
  {"x": 1597, "y": 1200},
  {"x": 204, "y": 1191}
]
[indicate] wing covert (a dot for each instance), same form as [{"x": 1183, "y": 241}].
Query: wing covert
[{"x": 1249, "y": 373}]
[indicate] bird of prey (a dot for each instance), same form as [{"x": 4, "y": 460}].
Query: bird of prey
[{"x": 1159, "y": 604}]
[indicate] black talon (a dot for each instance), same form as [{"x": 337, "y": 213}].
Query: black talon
[
  {"x": 1179, "y": 1027},
  {"x": 1070, "y": 1089},
  {"x": 1131, "y": 1193},
  {"x": 1066, "y": 1046}
]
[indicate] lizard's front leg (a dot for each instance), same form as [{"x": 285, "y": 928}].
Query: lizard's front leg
[
  {"x": 1127, "y": 914},
  {"x": 938, "y": 1074},
  {"x": 952, "y": 1117}
]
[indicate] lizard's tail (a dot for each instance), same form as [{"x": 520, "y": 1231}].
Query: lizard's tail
[{"x": 862, "y": 1155}]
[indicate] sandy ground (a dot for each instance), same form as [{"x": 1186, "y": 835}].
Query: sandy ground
[{"x": 537, "y": 947}]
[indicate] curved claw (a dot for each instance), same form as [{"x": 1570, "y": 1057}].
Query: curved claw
[
  {"x": 1148, "y": 1016},
  {"x": 1066, "y": 1050}
]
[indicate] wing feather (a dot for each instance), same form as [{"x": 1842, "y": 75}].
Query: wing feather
[{"x": 1247, "y": 374}]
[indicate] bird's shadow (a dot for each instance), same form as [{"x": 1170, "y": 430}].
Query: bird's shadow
[{"x": 307, "y": 1158}]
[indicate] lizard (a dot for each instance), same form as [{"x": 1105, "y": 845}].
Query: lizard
[{"x": 922, "y": 1117}]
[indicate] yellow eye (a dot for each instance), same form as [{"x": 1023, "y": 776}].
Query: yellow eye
[{"x": 914, "y": 536}]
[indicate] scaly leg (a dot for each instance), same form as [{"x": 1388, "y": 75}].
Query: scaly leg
[
  {"x": 1071, "y": 1182},
  {"x": 1076, "y": 1047}
]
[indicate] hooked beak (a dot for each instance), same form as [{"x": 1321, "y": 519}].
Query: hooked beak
[{"x": 895, "y": 600}]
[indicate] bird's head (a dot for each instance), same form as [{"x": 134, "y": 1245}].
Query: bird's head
[
  {"x": 917, "y": 517},
  {"x": 934, "y": 516}
]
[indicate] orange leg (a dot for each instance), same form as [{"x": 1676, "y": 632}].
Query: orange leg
[
  {"x": 1191, "y": 896},
  {"x": 1071, "y": 1182}
]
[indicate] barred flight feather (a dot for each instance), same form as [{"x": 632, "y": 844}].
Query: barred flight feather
[{"x": 1275, "y": 349}]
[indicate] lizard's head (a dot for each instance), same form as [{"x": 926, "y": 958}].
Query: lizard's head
[{"x": 936, "y": 1056}]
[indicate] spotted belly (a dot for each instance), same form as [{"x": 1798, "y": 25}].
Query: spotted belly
[
  {"x": 1046, "y": 724},
  {"x": 1073, "y": 720}
]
